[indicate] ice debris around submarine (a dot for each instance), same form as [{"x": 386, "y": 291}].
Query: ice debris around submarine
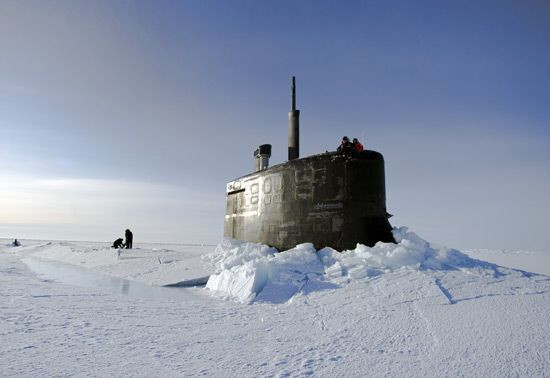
[{"x": 249, "y": 272}]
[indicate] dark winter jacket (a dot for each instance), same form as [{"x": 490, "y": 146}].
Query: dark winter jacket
[
  {"x": 345, "y": 147},
  {"x": 117, "y": 243}
]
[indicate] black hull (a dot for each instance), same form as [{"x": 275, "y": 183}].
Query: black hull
[{"x": 330, "y": 200}]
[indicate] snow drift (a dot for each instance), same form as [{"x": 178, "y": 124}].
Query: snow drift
[{"x": 246, "y": 272}]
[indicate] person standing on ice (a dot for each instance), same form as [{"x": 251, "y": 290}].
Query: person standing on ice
[{"x": 129, "y": 238}]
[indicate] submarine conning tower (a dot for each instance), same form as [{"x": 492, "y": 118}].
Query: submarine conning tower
[{"x": 331, "y": 200}]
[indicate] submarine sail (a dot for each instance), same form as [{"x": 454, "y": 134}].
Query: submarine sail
[{"x": 331, "y": 200}]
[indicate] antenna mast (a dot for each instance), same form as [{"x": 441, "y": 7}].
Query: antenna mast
[{"x": 293, "y": 126}]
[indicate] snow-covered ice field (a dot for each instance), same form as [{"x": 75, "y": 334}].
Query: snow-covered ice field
[{"x": 412, "y": 309}]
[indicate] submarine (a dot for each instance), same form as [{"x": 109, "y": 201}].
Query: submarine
[{"x": 331, "y": 199}]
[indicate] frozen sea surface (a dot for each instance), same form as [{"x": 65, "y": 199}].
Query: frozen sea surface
[
  {"x": 48, "y": 270},
  {"x": 405, "y": 310}
]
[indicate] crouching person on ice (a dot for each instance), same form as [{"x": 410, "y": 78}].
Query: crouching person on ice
[{"x": 118, "y": 243}]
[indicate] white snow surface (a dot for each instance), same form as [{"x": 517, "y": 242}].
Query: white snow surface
[{"x": 405, "y": 309}]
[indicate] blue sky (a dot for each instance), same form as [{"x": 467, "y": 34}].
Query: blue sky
[{"x": 135, "y": 114}]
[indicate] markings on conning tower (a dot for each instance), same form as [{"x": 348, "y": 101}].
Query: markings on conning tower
[
  {"x": 243, "y": 214},
  {"x": 328, "y": 206}
]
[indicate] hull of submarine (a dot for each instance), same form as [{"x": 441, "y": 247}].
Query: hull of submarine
[{"x": 331, "y": 200}]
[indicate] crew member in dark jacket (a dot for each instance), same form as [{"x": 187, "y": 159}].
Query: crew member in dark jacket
[
  {"x": 129, "y": 238},
  {"x": 345, "y": 146}
]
